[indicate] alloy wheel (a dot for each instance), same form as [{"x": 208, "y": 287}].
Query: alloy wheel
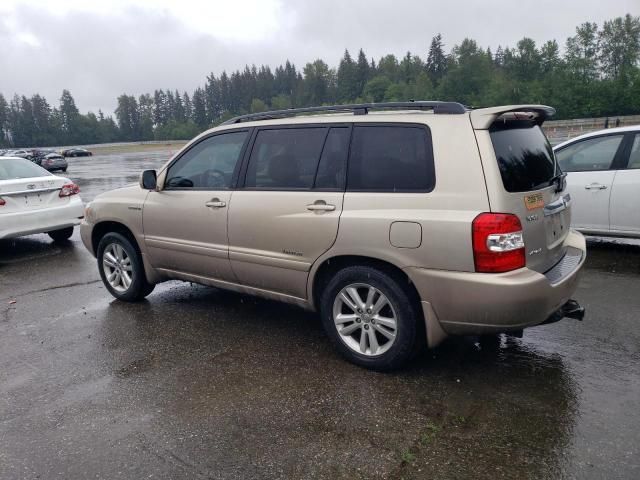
[
  {"x": 117, "y": 267},
  {"x": 365, "y": 319}
]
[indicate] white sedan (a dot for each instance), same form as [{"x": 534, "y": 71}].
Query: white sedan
[
  {"x": 603, "y": 178},
  {"x": 33, "y": 200}
]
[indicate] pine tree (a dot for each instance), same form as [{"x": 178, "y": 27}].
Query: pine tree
[
  {"x": 4, "y": 115},
  {"x": 199, "y": 115},
  {"x": 362, "y": 72},
  {"x": 188, "y": 106},
  {"x": 69, "y": 117},
  {"x": 436, "y": 60},
  {"x": 347, "y": 79}
]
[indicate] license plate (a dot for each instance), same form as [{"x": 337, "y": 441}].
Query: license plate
[
  {"x": 33, "y": 200},
  {"x": 556, "y": 228}
]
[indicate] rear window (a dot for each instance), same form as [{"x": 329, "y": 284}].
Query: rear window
[
  {"x": 524, "y": 156},
  {"x": 391, "y": 159},
  {"x": 19, "y": 168}
]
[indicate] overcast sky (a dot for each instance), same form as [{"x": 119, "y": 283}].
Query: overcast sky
[{"x": 100, "y": 49}]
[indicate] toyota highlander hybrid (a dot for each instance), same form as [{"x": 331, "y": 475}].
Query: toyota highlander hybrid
[{"x": 401, "y": 223}]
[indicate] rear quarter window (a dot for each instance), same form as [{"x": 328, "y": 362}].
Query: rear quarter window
[{"x": 524, "y": 156}]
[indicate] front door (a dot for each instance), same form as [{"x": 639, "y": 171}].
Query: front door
[
  {"x": 287, "y": 214},
  {"x": 591, "y": 169},
  {"x": 185, "y": 222}
]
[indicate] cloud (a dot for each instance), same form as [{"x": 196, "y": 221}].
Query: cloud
[{"x": 99, "y": 50}]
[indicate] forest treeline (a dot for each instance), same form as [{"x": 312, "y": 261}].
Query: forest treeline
[{"x": 596, "y": 74}]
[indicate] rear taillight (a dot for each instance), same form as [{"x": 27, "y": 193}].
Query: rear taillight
[
  {"x": 498, "y": 244},
  {"x": 69, "y": 189},
  {"x": 2, "y": 202}
]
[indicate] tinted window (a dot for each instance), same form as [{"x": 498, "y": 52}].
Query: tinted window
[
  {"x": 634, "y": 159},
  {"x": 285, "y": 158},
  {"x": 19, "y": 168},
  {"x": 389, "y": 158},
  {"x": 589, "y": 155},
  {"x": 209, "y": 164},
  {"x": 332, "y": 167},
  {"x": 524, "y": 156}
]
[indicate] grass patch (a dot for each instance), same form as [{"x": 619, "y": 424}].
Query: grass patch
[
  {"x": 407, "y": 456},
  {"x": 431, "y": 430}
]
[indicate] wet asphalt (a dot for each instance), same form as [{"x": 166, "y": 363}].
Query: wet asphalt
[{"x": 198, "y": 383}]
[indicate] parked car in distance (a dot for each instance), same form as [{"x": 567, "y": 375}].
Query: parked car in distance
[
  {"x": 400, "y": 226},
  {"x": 28, "y": 154},
  {"x": 33, "y": 200},
  {"x": 75, "y": 152},
  {"x": 53, "y": 162},
  {"x": 603, "y": 179}
]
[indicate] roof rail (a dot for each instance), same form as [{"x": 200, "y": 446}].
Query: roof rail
[{"x": 356, "y": 108}]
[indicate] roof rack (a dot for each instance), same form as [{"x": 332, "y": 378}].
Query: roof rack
[{"x": 356, "y": 108}]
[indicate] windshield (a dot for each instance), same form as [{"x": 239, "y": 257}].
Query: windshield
[
  {"x": 13, "y": 168},
  {"x": 524, "y": 156}
]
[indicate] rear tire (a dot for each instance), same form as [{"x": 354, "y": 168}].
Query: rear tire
[
  {"x": 121, "y": 268},
  {"x": 370, "y": 319},
  {"x": 61, "y": 235}
]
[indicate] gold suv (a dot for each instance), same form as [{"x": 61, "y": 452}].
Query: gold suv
[{"x": 401, "y": 223}]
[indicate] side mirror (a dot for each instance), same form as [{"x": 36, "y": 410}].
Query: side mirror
[{"x": 148, "y": 180}]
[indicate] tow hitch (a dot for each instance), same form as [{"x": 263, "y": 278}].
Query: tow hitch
[{"x": 571, "y": 309}]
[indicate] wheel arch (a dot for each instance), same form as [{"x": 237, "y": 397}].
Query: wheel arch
[
  {"x": 100, "y": 229},
  {"x": 325, "y": 268},
  {"x": 107, "y": 226}
]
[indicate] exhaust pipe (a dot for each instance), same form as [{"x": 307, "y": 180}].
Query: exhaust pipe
[{"x": 572, "y": 309}]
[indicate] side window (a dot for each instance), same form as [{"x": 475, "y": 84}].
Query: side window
[
  {"x": 589, "y": 155},
  {"x": 285, "y": 158},
  {"x": 634, "y": 158},
  {"x": 209, "y": 164},
  {"x": 391, "y": 159},
  {"x": 333, "y": 162}
]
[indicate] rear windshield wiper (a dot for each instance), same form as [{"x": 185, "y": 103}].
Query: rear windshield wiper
[{"x": 559, "y": 181}]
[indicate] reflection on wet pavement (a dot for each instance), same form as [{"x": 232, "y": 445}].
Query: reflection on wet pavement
[
  {"x": 102, "y": 173},
  {"x": 200, "y": 383}
]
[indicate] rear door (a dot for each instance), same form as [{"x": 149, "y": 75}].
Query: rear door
[
  {"x": 287, "y": 213},
  {"x": 625, "y": 194},
  {"x": 520, "y": 168},
  {"x": 591, "y": 166}
]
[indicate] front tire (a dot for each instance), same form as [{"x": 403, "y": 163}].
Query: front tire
[
  {"x": 61, "y": 235},
  {"x": 370, "y": 319},
  {"x": 121, "y": 269}
]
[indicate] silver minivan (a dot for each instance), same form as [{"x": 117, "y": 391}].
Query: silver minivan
[{"x": 400, "y": 223}]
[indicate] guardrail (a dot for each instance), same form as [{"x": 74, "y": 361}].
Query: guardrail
[{"x": 560, "y": 130}]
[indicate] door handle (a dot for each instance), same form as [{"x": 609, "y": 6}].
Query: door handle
[
  {"x": 216, "y": 203},
  {"x": 321, "y": 206},
  {"x": 595, "y": 186}
]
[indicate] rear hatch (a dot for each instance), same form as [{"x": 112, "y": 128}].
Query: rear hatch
[{"x": 523, "y": 179}]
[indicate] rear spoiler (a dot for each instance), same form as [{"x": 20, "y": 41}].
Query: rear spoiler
[{"x": 483, "y": 118}]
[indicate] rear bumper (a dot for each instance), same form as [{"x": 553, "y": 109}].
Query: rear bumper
[
  {"x": 476, "y": 303},
  {"x": 54, "y": 166},
  {"x": 41, "y": 221}
]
